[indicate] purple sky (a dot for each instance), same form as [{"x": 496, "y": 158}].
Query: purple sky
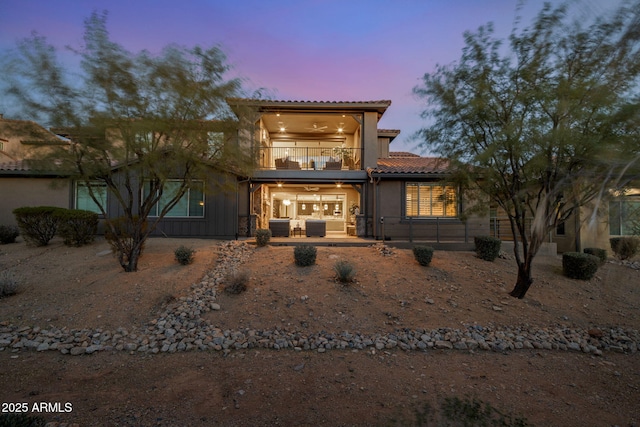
[{"x": 317, "y": 50}]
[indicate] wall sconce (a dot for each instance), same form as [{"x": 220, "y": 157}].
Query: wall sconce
[{"x": 326, "y": 207}]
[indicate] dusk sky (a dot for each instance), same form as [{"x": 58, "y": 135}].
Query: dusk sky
[{"x": 312, "y": 50}]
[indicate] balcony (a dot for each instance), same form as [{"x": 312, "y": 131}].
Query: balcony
[{"x": 310, "y": 158}]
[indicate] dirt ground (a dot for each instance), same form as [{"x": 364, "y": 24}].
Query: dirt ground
[{"x": 85, "y": 288}]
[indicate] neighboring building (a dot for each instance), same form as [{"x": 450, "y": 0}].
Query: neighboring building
[{"x": 21, "y": 184}]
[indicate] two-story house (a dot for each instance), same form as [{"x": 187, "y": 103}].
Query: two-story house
[{"x": 311, "y": 165}]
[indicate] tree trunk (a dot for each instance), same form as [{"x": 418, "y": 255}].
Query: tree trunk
[
  {"x": 524, "y": 280},
  {"x": 133, "y": 257}
]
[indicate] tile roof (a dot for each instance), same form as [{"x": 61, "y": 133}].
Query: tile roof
[
  {"x": 294, "y": 105},
  {"x": 17, "y": 165},
  {"x": 402, "y": 154},
  {"x": 28, "y": 131},
  {"x": 411, "y": 165}
]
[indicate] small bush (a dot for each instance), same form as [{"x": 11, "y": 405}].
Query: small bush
[
  {"x": 77, "y": 227},
  {"x": 37, "y": 224},
  {"x": 600, "y": 253},
  {"x": 423, "y": 254},
  {"x": 8, "y": 234},
  {"x": 184, "y": 255},
  {"x": 345, "y": 272},
  {"x": 8, "y": 284},
  {"x": 124, "y": 233},
  {"x": 263, "y": 236},
  {"x": 474, "y": 412},
  {"x": 625, "y": 247},
  {"x": 21, "y": 420},
  {"x": 236, "y": 282},
  {"x": 581, "y": 266},
  {"x": 487, "y": 247},
  {"x": 305, "y": 255}
]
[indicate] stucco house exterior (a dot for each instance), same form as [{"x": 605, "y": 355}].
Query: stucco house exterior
[
  {"x": 20, "y": 183},
  {"x": 322, "y": 169}
]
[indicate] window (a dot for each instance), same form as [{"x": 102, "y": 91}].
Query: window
[
  {"x": 83, "y": 199},
  {"x": 191, "y": 204},
  {"x": 430, "y": 200},
  {"x": 624, "y": 216}
]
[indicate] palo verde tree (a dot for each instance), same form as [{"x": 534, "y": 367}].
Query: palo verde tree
[
  {"x": 540, "y": 125},
  {"x": 147, "y": 126}
]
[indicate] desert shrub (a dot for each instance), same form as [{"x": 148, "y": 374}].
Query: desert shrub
[
  {"x": 423, "y": 254},
  {"x": 21, "y": 420},
  {"x": 37, "y": 224},
  {"x": 236, "y": 282},
  {"x": 487, "y": 247},
  {"x": 600, "y": 253},
  {"x": 625, "y": 247},
  {"x": 456, "y": 411},
  {"x": 305, "y": 255},
  {"x": 345, "y": 272},
  {"x": 576, "y": 265},
  {"x": 8, "y": 284},
  {"x": 8, "y": 234},
  {"x": 263, "y": 235},
  {"x": 77, "y": 227},
  {"x": 124, "y": 233},
  {"x": 474, "y": 412},
  {"x": 184, "y": 255}
]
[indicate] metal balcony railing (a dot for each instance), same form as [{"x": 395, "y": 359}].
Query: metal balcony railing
[{"x": 310, "y": 158}]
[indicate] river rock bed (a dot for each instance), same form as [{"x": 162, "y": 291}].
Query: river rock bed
[{"x": 180, "y": 327}]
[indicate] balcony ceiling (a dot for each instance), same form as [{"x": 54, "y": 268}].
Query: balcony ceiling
[{"x": 310, "y": 124}]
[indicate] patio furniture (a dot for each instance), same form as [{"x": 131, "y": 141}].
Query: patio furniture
[
  {"x": 279, "y": 227},
  {"x": 334, "y": 165},
  {"x": 316, "y": 227}
]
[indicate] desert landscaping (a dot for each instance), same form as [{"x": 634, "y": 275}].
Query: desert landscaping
[{"x": 167, "y": 346}]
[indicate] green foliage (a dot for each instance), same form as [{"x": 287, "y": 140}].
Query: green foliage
[
  {"x": 305, "y": 255},
  {"x": 77, "y": 227},
  {"x": 581, "y": 266},
  {"x": 487, "y": 247},
  {"x": 159, "y": 116},
  {"x": 345, "y": 272},
  {"x": 263, "y": 236},
  {"x": 523, "y": 131},
  {"x": 598, "y": 252},
  {"x": 8, "y": 234},
  {"x": 236, "y": 282},
  {"x": 184, "y": 255},
  {"x": 8, "y": 284},
  {"x": 625, "y": 247},
  {"x": 423, "y": 254},
  {"x": 21, "y": 420},
  {"x": 37, "y": 224}
]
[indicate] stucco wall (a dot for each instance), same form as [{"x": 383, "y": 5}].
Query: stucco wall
[{"x": 18, "y": 192}]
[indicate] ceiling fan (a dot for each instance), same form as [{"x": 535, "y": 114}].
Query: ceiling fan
[{"x": 316, "y": 128}]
